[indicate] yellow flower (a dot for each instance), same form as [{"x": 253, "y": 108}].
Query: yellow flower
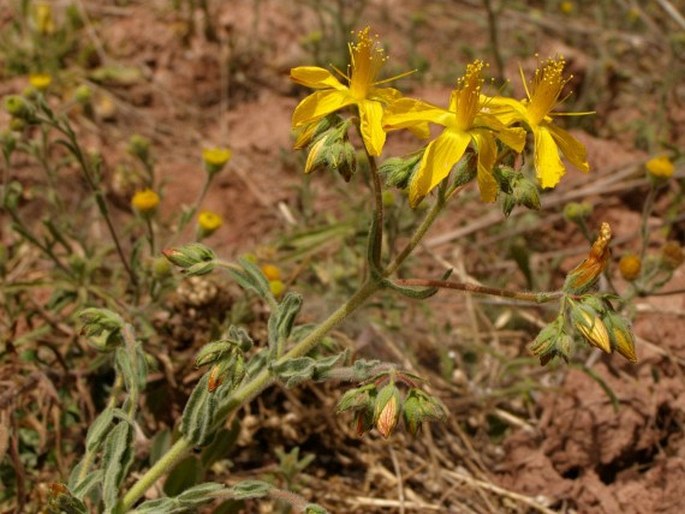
[
  {"x": 41, "y": 81},
  {"x": 536, "y": 112},
  {"x": 145, "y": 201},
  {"x": 465, "y": 124},
  {"x": 660, "y": 166},
  {"x": 208, "y": 222},
  {"x": 567, "y": 7},
  {"x": 629, "y": 266},
  {"x": 215, "y": 159},
  {"x": 367, "y": 58},
  {"x": 271, "y": 272}
]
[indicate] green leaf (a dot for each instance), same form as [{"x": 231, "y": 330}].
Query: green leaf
[
  {"x": 90, "y": 481},
  {"x": 183, "y": 476},
  {"x": 250, "y": 489},
  {"x": 222, "y": 444},
  {"x": 116, "y": 459},
  {"x": 197, "y": 415},
  {"x": 282, "y": 320},
  {"x": 300, "y": 369},
  {"x": 414, "y": 293},
  {"x": 99, "y": 429}
]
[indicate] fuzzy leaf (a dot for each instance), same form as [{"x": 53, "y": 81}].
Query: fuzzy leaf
[
  {"x": 250, "y": 489},
  {"x": 117, "y": 457}
]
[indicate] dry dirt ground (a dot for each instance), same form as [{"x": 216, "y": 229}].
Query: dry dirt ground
[{"x": 519, "y": 439}]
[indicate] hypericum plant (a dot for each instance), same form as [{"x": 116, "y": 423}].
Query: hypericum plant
[{"x": 480, "y": 140}]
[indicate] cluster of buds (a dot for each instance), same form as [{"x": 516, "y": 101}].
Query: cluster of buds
[
  {"x": 329, "y": 146},
  {"x": 227, "y": 359},
  {"x": 102, "y": 327},
  {"x": 273, "y": 275},
  {"x": 381, "y": 404},
  {"x": 194, "y": 259},
  {"x": 589, "y": 315},
  {"x": 594, "y": 320}
]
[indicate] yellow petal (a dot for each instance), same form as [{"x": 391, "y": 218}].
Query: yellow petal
[
  {"x": 572, "y": 149},
  {"x": 487, "y": 155},
  {"x": 548, "y": 165},
  {"x": 315, "y": 77},
  {"x": 506, "y": 110},
  {"x": 440, "y": 155},
  {"x": 370, "y": 116},
  {"x": 407, "y": 112},
  {"x": 513, "y": 137},
  {"x": 386, "y": 95},
  {"x": 319, "y": 104}
]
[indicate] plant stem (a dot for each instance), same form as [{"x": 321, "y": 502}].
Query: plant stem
[
  {"x": 416, "y": 237},
  {"x": 646, "y": 213},
  {"x": 539, "y": 297},
  {"x": 174, "y": 455},
  {"x": 378, "y": 210},
  {"x": 248, "y": 391}
]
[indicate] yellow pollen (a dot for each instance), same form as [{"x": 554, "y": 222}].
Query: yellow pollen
[
  {"x": 546, "y": 88},
  {"x": 367, "y": 57},
  {"x": 467, "y": 95}
]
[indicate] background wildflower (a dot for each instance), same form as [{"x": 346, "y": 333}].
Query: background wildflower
[
  {"x": 207, "y": 223},
  {"x": 215, "y": 159},
  {"x": 660, "y": 166},
  {"x": 145, "y": 201}
]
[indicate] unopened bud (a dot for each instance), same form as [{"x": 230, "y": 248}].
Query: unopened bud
[
  {"x": 575, "y": 211},
  {"x": 398, "y": 170},
  {"x": 660, "y": 167},
  {"x": 387, "y": 410},
  {"x": 583, "y": 277},
  {"x": 139, "y": 146},
  {"x": 671, "y": 255},
  {"x": 18, "y": 107},
  {"x": 621, "y": 336},
  {"x": 194, "y": 258},
  {"x": 591, "y": 327}
]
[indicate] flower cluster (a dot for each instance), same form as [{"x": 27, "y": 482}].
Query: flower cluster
[{"x": 474, "y": 124}]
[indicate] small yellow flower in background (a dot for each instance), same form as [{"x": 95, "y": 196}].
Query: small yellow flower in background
[
  {"x": 630, "y": 266},
  {"x": 45, "y": 24},
  {"x": 465, "y": 124},
  {"x": 277, "y": 287},
  {"x": 536, "y": 112},
  {"x": 145, "y": 201},
  {"x": 672, "y": 255},
  {"x": 41, "y": 81},
  {"x": 660, "y": 166},
  {"x": 367, "y": 57},
  {"x": 271, "y": 272},
  {"x": 208, "y": 222},
  {"x": 215, "y": 159},
  {"x": 567, "y": 7}
]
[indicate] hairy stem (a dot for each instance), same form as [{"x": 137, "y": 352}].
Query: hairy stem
[
  {"x": 249, "y": 390},
  {"x": 526, "y": 296}
]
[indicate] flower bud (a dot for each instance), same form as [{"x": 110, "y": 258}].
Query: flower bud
[
  {"x": 215, "y": 159},
  {"x": 418, "y": 407},
  {"x": 387, "y": 409},
  {"x": 83, "y": 94},
  {"x": 18, "y": 107},
  {"x": 277, "y": 287},
  {"x": 309, "y": 132},
  {"x": 575, "y": 211},
  {"x": 102, "y": 327},
  {"x": 630, "y": 266},
  {"x": 588, "y": 323},
  {"x": 194, "y": 258},
  {"x": 316, "y": 156},
  {"x": 161, "y": 268},
  {"x": 671, "y": 255},
  {"x": 583, "y": 277},
  {"x": 139, "y": 146},
  {"x": 660, "y": 167},
  {"x": 621, "y": 336},
  {"x": 43, "y": 19},
  {"x": 398, "y": 170}
]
